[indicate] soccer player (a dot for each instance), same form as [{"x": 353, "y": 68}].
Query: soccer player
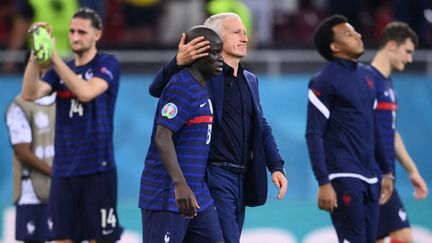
[
  {"x": 343, "y": 139},
  {"x": 396, "y": 49},
  {"x": 175, "y": 201},
  {"x": 31, "y": 131},
  {"x": 242, "y": 141},
  {"x": 83, "y": 196}
]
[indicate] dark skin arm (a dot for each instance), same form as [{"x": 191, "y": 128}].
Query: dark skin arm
[
  {"x": 185, "y": 198},
  {"x": 25, "y": 154}
]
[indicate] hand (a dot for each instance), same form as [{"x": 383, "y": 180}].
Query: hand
[
  {"x": 420, "y": 187},
  {"x": 186, "y": 201},
  {"x": 195, "y": 49},
  {"x": 327, "y": 198},
  {"x": 40, "y": 24},
  {"x": 387, "y": 186},
  {"x": 280, "y": 182}
]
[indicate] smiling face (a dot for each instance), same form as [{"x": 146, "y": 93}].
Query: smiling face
[
  {"x": 402, "y": 54},
  {"x": 347, "y": 42},
  {"x": 82, "y": 36}
]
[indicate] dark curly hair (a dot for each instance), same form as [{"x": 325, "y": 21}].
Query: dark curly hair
[{"x": 323, "y": 35}]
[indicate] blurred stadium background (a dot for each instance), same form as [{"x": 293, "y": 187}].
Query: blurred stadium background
[{"x": 284, "y": 59}]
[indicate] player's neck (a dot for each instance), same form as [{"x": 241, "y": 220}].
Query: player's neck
[
  {"x": 382, "y": 64},
  {"x": 197, "y": 76},
  {"x": 85, "y": 57}
]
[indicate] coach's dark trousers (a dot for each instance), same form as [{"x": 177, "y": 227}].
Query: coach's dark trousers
[{"x": 226, "y": 187}]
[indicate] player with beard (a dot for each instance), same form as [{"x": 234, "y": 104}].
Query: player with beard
[{"x": 83, "y": 196}]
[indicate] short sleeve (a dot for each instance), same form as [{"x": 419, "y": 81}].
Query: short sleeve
[
  {"x": 175, "y": 107},
  {"x": 108, "y": 69},
  {"x": 18, "y": 125},
  {"x": 52, "y": 78}
]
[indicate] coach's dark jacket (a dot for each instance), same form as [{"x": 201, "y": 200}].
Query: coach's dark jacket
[{"x": 265, "y": 151}]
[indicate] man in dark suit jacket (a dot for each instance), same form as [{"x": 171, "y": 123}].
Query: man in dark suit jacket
[{"x": 242, "y": 143}]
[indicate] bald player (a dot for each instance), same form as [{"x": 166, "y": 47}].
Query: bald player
[{"x": 175, "y": 201}]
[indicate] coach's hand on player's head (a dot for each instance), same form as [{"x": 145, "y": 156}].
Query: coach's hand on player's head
[
  {"x": 193, "y": 50},
  {"x": 186, "y": 201},
  {"x": 327, "y": 198},
  {"x": 387, "y": 186}
]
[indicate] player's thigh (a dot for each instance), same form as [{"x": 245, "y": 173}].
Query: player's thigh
[
  {"x": 349, "y": 217},
  {"x": 393, "y": 217},
  {"x": 402, "y": 235},
  {"x": 31, "y": 223},
  {"x": 205, "y": 227},
  {"x": 63, "y": 211},
  {"x": 163, "y": 226},
  {"x": 98, "y": 203}
]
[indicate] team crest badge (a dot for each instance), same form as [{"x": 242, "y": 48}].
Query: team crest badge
[
  {"x": 169, "y": 110},
  {"x": 346, "y": 198}
]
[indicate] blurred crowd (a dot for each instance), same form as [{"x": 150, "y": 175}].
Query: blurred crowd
[{"x": 155, "y": 24}]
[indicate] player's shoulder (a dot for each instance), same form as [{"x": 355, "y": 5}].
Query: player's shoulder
[
  {"x": 106, "y": 57},
  {"x": 326, "y": 73},
  {"x": 368, "y": 68},
  {"x": 182, "y": 78},
  {"x": 182, "y": 83}
]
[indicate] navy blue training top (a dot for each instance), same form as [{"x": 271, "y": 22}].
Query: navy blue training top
[{"x": 342, "y": 136}]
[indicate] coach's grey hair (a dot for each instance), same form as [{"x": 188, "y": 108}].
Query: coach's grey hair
[{"x": 216, "y": 20}]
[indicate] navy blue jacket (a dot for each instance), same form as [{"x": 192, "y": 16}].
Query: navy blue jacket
[
  {"x": 342, "y": 133},
  {"x": 265, "y": 151}
]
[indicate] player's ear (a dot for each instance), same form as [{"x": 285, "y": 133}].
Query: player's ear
[
  {"x": 98, "y": 34},
  {"x": 334, "y": 47},
  {"x": 392, "y": 45}
]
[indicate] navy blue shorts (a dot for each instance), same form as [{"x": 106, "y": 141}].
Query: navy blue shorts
[
  {"x": 164, "y": 226},
  {"x": 31, "y": 223},
  {"x": 392, "y": 216},
  {"x": 356, "y": 217},
  {"x": 84, "y": 207}
]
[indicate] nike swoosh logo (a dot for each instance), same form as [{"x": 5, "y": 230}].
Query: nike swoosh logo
[
  {"x": 203, "y": 104},
  {"x": 107, "y": 232}
]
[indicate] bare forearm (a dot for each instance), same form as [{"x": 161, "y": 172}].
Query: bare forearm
[
  {"x": 165, "y": 146},
  {"x": 403, "y": 156},
  {"x": 85, "y": 90},
  {"x": 26, "y": 156},
  {"x": 75, "y": 84},
  {"x": 31, "y": 81}
]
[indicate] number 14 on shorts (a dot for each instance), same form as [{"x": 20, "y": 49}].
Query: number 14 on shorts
[{"x": 108, "y": 217}]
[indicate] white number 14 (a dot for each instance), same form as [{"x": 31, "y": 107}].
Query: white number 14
[
  {"x": 109, "y": 218},
  {"x": 76, "y": 107}
]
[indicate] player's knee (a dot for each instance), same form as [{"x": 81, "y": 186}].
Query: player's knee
[
  {"x": 400, "y": 241},
  {"x": 402, "y": 236}
]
